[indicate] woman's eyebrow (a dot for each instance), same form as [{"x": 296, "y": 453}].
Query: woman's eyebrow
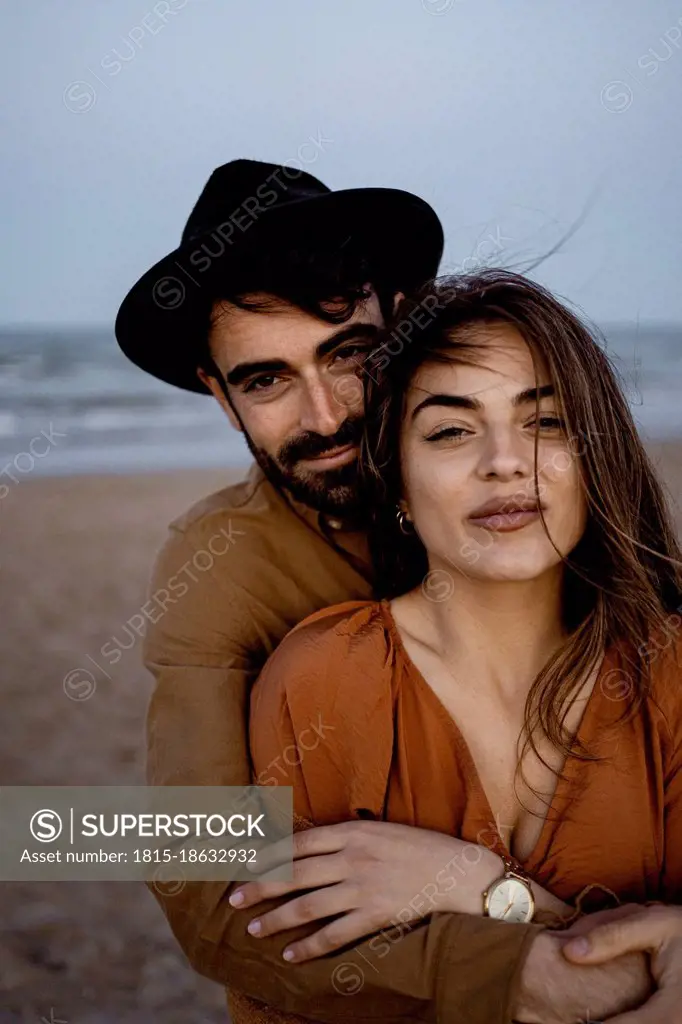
[
  {"x": 452, "y": 401},
  {"x": 533, "y": 394},
  {"x": 466, "y": 402}
]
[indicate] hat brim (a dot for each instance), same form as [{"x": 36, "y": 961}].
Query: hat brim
[{"x": 158, "y": 322}]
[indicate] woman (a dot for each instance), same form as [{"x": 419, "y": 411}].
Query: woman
[{"x": 517, "y": 686}]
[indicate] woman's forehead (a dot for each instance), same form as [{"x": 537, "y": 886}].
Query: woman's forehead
[{"x": 494, "y": 357}]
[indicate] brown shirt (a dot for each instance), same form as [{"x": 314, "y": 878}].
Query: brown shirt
[
  {"x": 615, "y": 823},
  {"x": 237, "y": 572}
]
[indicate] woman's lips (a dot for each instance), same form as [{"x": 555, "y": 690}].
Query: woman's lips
[
  {"x": 506, "y": 522},
  {"x": 333, "y": 458}
]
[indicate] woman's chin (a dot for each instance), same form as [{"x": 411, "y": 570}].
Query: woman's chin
[{"x": 509, "y": 570}]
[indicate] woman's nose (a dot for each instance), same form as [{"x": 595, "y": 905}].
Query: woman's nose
[{"x": 505, "y": 455}]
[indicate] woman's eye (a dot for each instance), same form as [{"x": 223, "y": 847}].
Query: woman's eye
[
  {"x": 454, "y": 432},
  {"x": 548, "y": 423}
]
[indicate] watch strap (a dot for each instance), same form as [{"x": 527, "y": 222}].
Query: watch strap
[{"x": 512, "y": 867}]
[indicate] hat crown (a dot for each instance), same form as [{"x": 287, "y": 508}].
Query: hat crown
[
  {"x": 247, "y": 181},
  {"x": 164, "y": 315}
]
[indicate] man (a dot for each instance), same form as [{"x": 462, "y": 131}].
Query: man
[{"x": 275, "y": 295}]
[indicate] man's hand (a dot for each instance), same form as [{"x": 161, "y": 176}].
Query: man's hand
[
  {"x": 374, "y": 874},
  {"x": 552, "y": 991},
  {"x": 656, "y": 930}
]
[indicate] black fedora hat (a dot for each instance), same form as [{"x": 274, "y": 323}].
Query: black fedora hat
[{"x": 247, "y": 204}]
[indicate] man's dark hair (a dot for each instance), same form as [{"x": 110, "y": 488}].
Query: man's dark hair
[{"x": 326, "y": 281}]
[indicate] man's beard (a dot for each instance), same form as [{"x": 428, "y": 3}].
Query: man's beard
[{"x": 335, "y": 492}]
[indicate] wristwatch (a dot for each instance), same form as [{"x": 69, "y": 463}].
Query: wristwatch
[{"x": 510, "y": 898}]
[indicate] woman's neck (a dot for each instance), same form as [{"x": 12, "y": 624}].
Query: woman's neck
[{"x": 500, "y": 634}]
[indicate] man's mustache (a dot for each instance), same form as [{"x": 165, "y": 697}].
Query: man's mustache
[{"x": 310, "y": 444}]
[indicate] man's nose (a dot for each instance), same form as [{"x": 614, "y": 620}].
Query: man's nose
[{"x": 322, "y": 411}]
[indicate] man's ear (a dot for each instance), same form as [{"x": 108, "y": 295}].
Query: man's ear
[
  {"x": 397, "y": 299},
  {"x": 219, "y": 395}
]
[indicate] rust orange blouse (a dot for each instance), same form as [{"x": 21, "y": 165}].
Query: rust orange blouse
[{"x": 341, "y": 713}]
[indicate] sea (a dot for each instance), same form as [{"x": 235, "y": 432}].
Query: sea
[{"x": 70, "y": 402}]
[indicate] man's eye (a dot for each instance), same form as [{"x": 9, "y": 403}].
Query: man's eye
[
  {"x": 262, "y": 383},
  {"x": 358, "y": 353}
]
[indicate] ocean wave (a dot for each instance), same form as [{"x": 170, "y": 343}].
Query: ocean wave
[{"x": 114, "y": 416}]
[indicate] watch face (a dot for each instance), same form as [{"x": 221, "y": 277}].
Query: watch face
[{"x": 510, "y": 900}]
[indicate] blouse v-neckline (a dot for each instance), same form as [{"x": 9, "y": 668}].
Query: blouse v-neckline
[{"x": 561, "y": 795}]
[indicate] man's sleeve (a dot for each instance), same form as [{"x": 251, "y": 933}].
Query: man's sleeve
[
  {"x": 196, "y": 649},
  {"x": 452, "y": 968}
]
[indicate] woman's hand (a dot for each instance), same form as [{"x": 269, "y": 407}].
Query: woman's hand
[
  {"x": 656, "y": 930},
  {"x": 375, "y": 874}
]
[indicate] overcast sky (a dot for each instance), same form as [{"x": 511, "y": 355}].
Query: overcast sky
[{"x": 512, "y": 117}]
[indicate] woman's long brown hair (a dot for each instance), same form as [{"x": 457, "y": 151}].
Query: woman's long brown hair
[{"x": 624, "y": 578}]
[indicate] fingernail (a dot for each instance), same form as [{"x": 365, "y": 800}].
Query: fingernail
[
  {"x": 236, "y": 899},
  {"x": 288, "y": 954},
  {"x": 253, "y": 927},
  {"x": 579, "y": 947}
]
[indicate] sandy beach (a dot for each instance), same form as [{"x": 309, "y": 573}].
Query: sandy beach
[{"x": 75, "y": 555}]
